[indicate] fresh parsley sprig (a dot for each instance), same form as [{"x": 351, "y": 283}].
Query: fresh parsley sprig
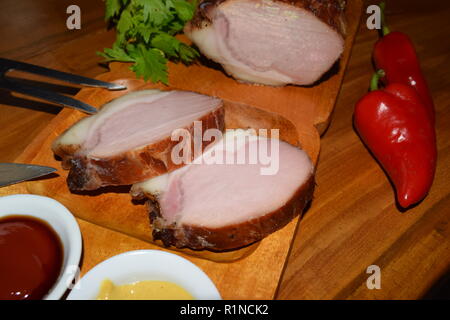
[{"x": 146, "y": 32}]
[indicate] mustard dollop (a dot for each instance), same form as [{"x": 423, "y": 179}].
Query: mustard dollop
[{"x": 143, "y": 290}]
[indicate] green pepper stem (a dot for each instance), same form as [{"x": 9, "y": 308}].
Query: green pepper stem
[
  {"x": 384, "y": 28},
  {"x": 376, "y": 79}
]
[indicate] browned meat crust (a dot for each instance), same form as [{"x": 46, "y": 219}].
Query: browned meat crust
[
  {"x": 129, "y": 167},
  {"x": 329, "y": 11},
  {"x": 233, "y": 236}
]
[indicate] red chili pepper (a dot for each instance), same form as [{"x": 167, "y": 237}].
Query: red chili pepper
[
  {"x": 395, "y": 54},
  {"x": 391, "y": 123}
]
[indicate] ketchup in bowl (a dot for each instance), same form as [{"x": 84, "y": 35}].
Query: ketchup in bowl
[{"x": 31, "y": 256}]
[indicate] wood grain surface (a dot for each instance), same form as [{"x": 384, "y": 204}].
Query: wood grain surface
[{"x": 353, "y": 221}]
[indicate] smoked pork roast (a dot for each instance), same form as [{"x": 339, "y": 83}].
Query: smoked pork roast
[
  {"x": 271, "y": 42},
  {"x": 129, "y": 139},
  {"x": 233, "y": 200}
]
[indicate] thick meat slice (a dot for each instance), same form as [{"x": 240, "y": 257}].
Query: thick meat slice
[
  {"x": 213, "y": 205},
  {"x": 270, "y": 42},
  {"x": 129, "y": 140}
]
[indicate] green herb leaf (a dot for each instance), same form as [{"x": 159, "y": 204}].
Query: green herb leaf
[
  {"x": 155, "y": 11},
  {"x": 167, "y": 44},
  {"x": 184, "y": 9},
  {"x": 187, "y": 53},
  {"x": 152, "y": 64},
  {"x": 112, "y": 8},
  {"x": 146, "y": 32},
  {"x": 116, "y": 54},
  {"x": 125, "y": 23}
]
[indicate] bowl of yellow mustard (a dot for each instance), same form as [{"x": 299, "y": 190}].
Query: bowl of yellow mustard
[{"x": 145, "y": 275}]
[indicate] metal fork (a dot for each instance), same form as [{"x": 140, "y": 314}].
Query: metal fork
[{"x": 9, "y": 84}]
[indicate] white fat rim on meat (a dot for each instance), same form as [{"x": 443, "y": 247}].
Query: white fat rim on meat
[{"x": 79, "y": 132}]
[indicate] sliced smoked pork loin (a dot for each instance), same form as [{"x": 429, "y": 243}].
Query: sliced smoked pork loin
[
  {"x": 216, "y": 206},
  {"x": 129, "y": 139},
  {"x": 272, "y": 42}
]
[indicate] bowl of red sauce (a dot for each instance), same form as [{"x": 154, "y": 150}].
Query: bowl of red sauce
[{"x": 40, "y": 248}]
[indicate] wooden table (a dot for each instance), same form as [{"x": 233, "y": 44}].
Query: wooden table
[{"x": 353, "y": 221}]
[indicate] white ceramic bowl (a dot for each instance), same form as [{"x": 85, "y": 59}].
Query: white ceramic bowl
[
  {"x": 143, "y": 265},
  {"x": 64, "y": 224}
]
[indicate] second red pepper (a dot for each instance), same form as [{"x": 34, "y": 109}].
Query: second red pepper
[{"x": 395, "y": 54}]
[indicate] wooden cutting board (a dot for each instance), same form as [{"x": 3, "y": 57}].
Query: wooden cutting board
[
  {"x": 113, "y": 207},
  {"x": 259, "y": 266}
]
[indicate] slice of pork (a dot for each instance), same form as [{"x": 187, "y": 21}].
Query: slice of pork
[
  {"x": 270, "y": 42},
  {"x": 129, "y": 140},
  {"x": 216, "y": 206}
]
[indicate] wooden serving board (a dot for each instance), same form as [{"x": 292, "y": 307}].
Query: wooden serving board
[{"x": 108, "y": 219}]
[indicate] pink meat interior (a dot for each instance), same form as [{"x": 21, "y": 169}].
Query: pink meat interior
[
  {"x": 215, "y": 195},
  {"x": 146, "y": 120},
  {"x": 266, "y": 36}
]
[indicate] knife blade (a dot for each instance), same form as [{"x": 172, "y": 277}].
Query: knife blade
[{"x": 11, "y": 173}]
